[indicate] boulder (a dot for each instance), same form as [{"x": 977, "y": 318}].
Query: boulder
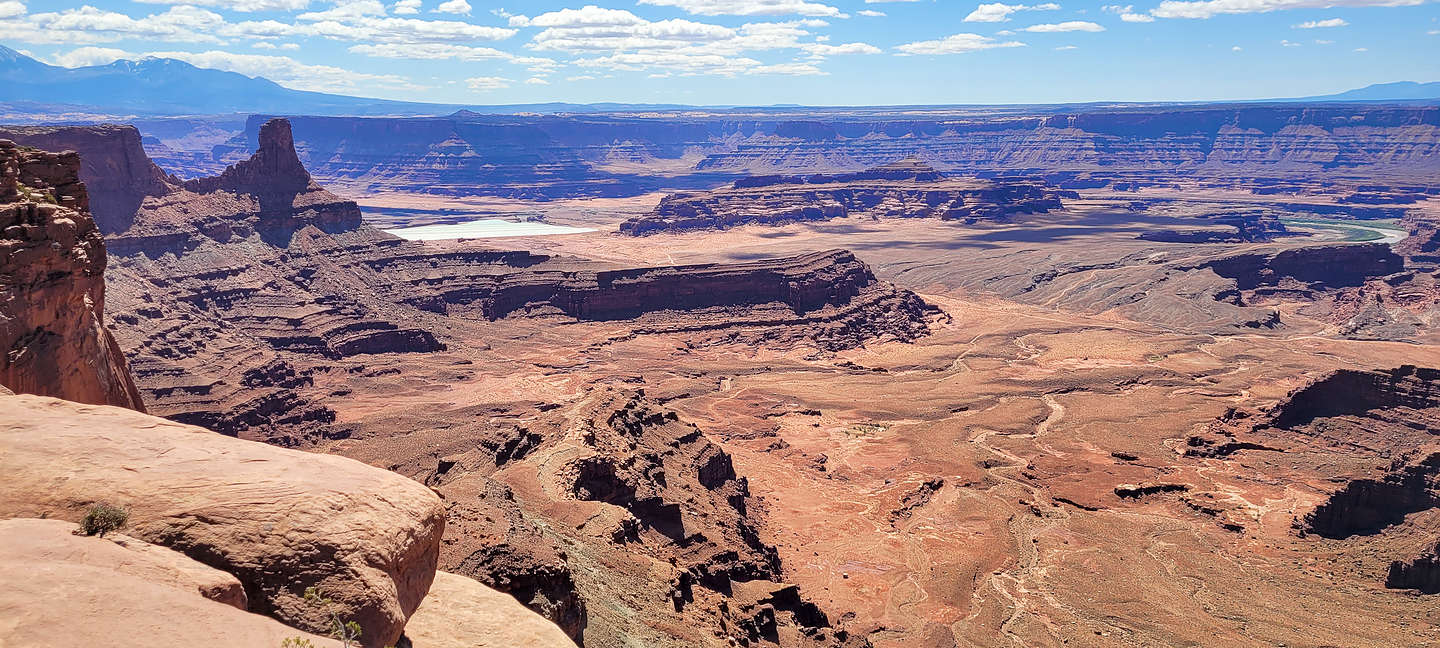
[
  {"x": 279, "y": 520},
  {"x": 462, "y": 613},
  {"x": 63, "y": 590}
]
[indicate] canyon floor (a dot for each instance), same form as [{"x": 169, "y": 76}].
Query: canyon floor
[{"x": 1018, "y": 477}]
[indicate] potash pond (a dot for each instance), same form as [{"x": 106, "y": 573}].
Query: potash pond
[{"x": 483, "y": 228}]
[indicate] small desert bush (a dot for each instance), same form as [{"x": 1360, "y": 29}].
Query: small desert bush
[{"x": 103, "y": 518}]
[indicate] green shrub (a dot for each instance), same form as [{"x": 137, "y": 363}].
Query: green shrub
[{"x": 103, "y": 518}]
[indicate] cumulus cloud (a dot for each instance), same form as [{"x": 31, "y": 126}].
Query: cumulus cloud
[
  {"x": 485, "y": 84},
  {"x": 87, "y": 56},
  {"x": 454, "y": 7},
  {"x": 239, "y": 5},
  {"x": 956, "y": 44},
  {"x": 749, "y": 7},
  {"x": 788, "y": 69},
  {"x": 406, "y": 7},
  {"x": 536, "y": 81},
  {"x": 1209, "y": 8},
  {"x": 280, "y": 69},
  {"x": 1067, "y": 26},
  {"x": 1000, "y": 12},
  {"x": 1127, "y": 13},
  {"x": 11, "y": 9},
  {"x": 1320, "y": 24},
  {"x": 822, "y": 49},
  {"x": 440, "y": 51},
  {"x": 870, "y": 13}
]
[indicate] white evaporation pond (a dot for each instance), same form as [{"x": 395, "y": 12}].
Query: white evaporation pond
[{"x": 483, "y": 228}]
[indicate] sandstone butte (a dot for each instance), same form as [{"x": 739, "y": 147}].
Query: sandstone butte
[{"x": 273, "y": 520}]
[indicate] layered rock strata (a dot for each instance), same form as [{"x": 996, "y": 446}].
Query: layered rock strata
[
  {"x": 558, "y": 156},
  {"x": 908, "y": 189},
  {"x": 52, "y": 290}
]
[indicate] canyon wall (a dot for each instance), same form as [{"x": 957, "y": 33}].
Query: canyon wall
[
  {"x": 908, "y": 189},
  {"x": 52, "y": 289},
  {"x": 556, "y": 156}
]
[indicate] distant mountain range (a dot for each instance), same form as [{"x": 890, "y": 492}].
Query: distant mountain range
[
  {"x": 1397, "y": 91},
  {"x": 163, "y": 87}
]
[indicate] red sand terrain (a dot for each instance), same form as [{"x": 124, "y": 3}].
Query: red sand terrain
[{"x": 1054, "y": 429}]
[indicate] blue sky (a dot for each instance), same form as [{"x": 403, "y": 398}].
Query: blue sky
[{"x": 814, "y": 52}]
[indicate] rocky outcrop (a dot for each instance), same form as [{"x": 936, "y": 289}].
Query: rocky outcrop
[
  {"x": 279, "y": 520},
  {"x": 1313, "y": 267},
  {"x": 63, "y": 591},
  {"x": 114, "y": 166},
  {"x": 1352, "y": 392},
  {"x": 1257, "y": 225},
  {"x": 1421, "y": 573},
  {"x": 1367, "y": 506},
  {"x": 909, "y": 189},
  {"x": 461, "y": 613},
  {"x": 1391, "y": 416},
  {"x": 52, "y": 290},
  {"x": 1423, "y": 243},
  {"x": 33, "y": 541}
]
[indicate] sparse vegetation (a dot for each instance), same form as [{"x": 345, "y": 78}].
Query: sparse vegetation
[
  {"x": 347, "y": 632},
  {"x": 103, "y": 518}
]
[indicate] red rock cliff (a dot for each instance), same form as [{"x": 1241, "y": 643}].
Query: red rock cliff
[{"x": 52, "y": 288}]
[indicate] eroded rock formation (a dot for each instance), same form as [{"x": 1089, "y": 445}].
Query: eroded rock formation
[
  {"x": 52, "y": 289},
  {"x": 906, "y": 189}
]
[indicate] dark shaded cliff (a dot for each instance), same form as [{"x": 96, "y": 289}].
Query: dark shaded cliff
[{"x": 53, "y": 340}]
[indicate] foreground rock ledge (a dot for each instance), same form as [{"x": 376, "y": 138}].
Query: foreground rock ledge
[
  {"x": 65, "y": 591},
  {"x": 279, "y": 520},
  {"x": 462, "y": 613}
]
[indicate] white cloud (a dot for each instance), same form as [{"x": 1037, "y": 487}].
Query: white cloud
[
  {"x": 1209, "y": 8},
  {"x": 870, "y": 13},
  {"x": 1127, "y": 13},
  {"x": 1286, "y": 43},
  {"x": 87, "y": 56},
  {"x": 454, "y": 7},
  {"x": 749, "y": 7},
  {"x": 1067, "y": 26},
  {"x": 582, "y": 77},
  {"x": 377, "y": 29},
  {"x": 484, "y": 84},
  {"x": 1319, "y": 24},
  {"x": 280, "y": 69},
  {"x": 955, "y": 44},
  {"x": 536, "y": 81},
  {"x": 790, "y": 69},
  {"x": 406, "y": 7},
  {"x": 1065, "y": 48},
  {"x": 239, "y": 5},
  {"x": 1362, "y": 49},
  {"x": 1000, "y": 12},
  {"x": 1237, "y": 48},
  {"x": 822, "y": 49},
  {"x": 12, "y": 9},
  {"x": 90, "y": 25},
  {"x": 439, "y": 51},
  {"x": 1324, "y": 42}
]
